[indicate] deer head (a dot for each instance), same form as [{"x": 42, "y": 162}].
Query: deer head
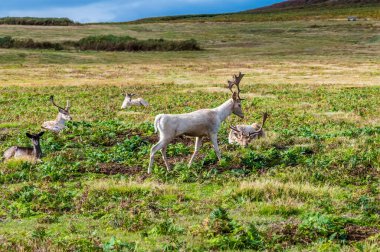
[
  {"x": 259, "y": 131},
  {"x": 236, "y": 109},
  {"x": 64, "y": 113},
  {"x": 127, "y": 99},
  {"x": 244, "y": 138},
  {"x": 35, "y": 138},
  {"x": 130, "y": 95}
]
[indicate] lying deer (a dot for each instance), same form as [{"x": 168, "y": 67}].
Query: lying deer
[
  {"x": 128, "y": 101},
  {"x": 244, "y": 134},
  {"x": 200, "y": 123},
  {"x": 63, "y": 116},
  {"x": 34, "y": 153}
]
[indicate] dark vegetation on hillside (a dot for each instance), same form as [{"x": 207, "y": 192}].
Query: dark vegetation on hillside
[
  {"x": 126, "y": 43},
  {"x": 104, "y": 43},
  {"x": 174, "y": 18},
  {"x": 286, "y": 11},
  {"x": 9, "y": 42},
  {"x": 300, "y": 4},
  {"x": 36, "y": 21}
]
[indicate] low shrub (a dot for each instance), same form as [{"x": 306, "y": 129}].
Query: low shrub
[
  {"x": 117, "y": 245},
  {"x": 126, "y": 43},
  {"x": 316, "y": 226},
  {"x": 9, "y": 42},
  {"x": 104, "y": 43},
  {"x": 222, "y": 232}
]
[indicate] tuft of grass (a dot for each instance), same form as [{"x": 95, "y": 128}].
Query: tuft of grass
[{"x": 270, "y": 189}]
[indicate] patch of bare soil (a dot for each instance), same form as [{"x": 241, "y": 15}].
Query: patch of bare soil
[
  {"x": 285, "y": 232},
  {"x": 358, "y": 233},
  {"x": 116, "y": 168}
]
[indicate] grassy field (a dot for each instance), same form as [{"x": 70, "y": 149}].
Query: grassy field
[{"x": 311, "y": 185}]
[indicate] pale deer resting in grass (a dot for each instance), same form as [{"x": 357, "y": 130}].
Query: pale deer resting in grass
[
  {"x": 128, "y": 101},
  {"x": 244, "y": 134},
  {"x": 31, "y": 154},
  {"x": 63, "y": 116},
  {"x": 200, "y": 123}
]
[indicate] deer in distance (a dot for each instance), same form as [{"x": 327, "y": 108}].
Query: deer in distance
[
  {"x": 128, "y": 101},
  {"x": 198, "y": 124},
  {"x": 63, "y": 116},
  {"x": 28, "y": 153},
  {"x": 244, "y": 134}
]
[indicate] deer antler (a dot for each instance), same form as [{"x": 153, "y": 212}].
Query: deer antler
[
  {"x": 236, "y": 81},
  {"x": 67, "y": 105},
  {"x": 52, "y": 101},
  {"x": 235, "y": 129},
  {"x": 265, "y": 116}
]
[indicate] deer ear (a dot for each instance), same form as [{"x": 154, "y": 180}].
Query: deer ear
[
  {"x": 41, "y": 133},
  {"x": 29, "y": 135},
  {"x": 234, "y": 96}
]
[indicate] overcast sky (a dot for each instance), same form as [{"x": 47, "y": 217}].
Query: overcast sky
[{"x": 119, "y": 10}]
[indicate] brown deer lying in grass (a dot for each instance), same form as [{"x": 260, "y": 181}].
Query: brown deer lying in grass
[
  {"x": 128, "y": 101},
  {"x": 244, "y": 134},
  {"x": 63, "y": 116},
  {"x": 200, "y": 123},
  {"x": 32, "y": 154}
]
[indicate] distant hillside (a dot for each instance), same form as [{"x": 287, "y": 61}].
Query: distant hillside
[
  {"x": 303, "y": 4},
  {"x": 286, "y": 11}
]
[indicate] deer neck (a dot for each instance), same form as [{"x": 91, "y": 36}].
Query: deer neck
[
  {"x": 225, "y": 110},
  {"x": 60, "y": 120},
  {"x": 126, "y": 101},
  {"x": 37, "y": 152}
]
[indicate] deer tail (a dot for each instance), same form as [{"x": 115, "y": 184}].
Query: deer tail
[{"x": 156, "y": 122}]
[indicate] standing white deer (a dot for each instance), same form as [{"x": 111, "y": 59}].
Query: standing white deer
[
  {"x": 128, "y": 101},
  {"x": 200, "y": 123},
  {"x": 244, "y": 134},
  {"x": 63, "y": 116}
]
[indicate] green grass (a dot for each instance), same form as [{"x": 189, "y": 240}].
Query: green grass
[{"x": 311, "y": 185}]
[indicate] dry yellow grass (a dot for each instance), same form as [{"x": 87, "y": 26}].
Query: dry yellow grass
[
  {"x": 271, "y": 189},
  {"x": 128, "y": 185},
  {"x": 210, "y": 73}
]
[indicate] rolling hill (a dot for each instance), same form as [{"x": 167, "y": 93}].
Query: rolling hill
[
  {"x": 286, "y": 11},
  {"x": 302, "y": 4}
]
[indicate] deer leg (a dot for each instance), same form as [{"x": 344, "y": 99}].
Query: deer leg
[
  {"x": 198, "y": 144},
  {"x": 164, "y": 157},
  {"x": 214, "y": 141},
  {"x": 153, "y": 151}
]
